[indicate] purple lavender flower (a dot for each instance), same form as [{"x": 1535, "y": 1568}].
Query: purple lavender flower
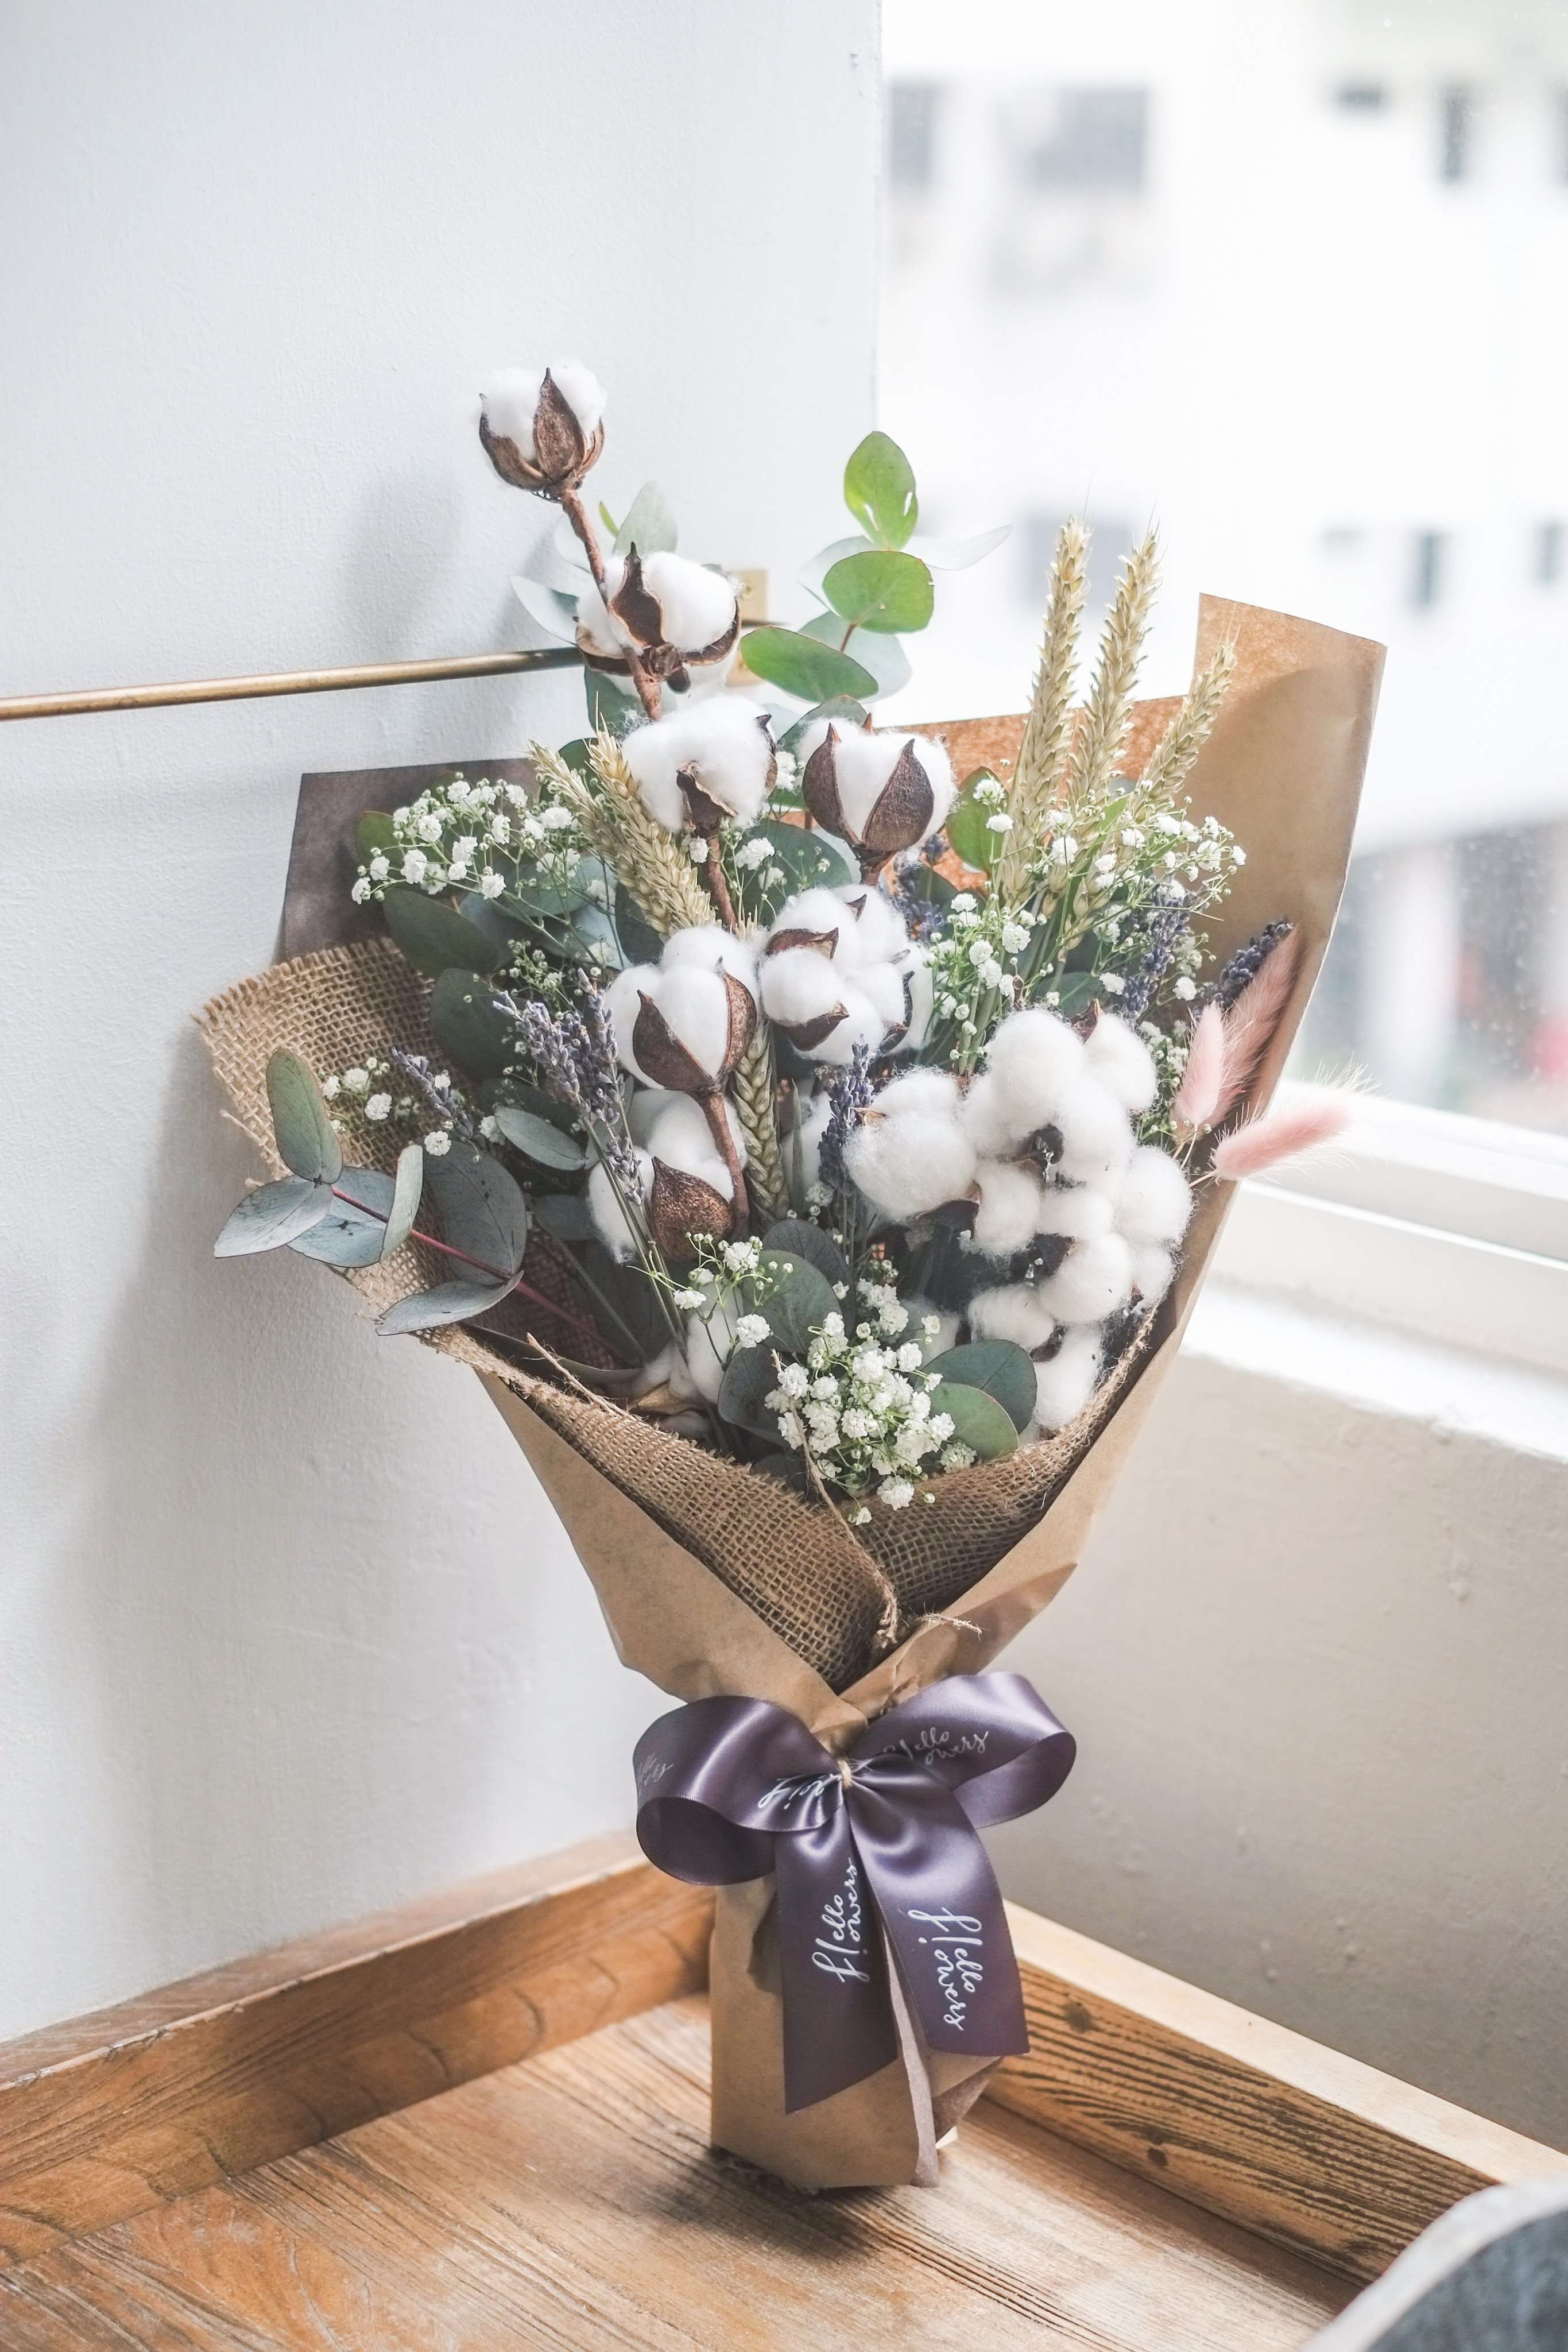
[
  {"x": 1245, "y": 963},
  {"x": 849, "y": 1096},
  {"x": 1164, "y": 929},
  {"x": 574, "y": 1055}
]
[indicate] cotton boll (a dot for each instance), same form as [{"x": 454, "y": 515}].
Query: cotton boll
[
  {"x": 696, "y": 1007},
  {"x": 1154, "y": 1200},
  {"x": 1152, "y": 1271},
  {"x": 800, "y": 987},
  {"x": 909, "y": 1154},
  {"x": 1063, "y": 1386},
  {"x": 1094, "y": 1279},
  {"x": 988, "y": 1116},
  {"x": 709, "y": 946},
  {"x": 880, "y": 932},
  {"x": 1118, "y": 1058},
  {"x": 1074, "y": 1212},
  {"x": 604, "y": 1206},
  {"x": 655, "y": 756},
  {"x": 883, "y": 794},
  {"x": 1012, "y": 1311},
  {"x": 623, "y": 1002},
  {"x": 659, "y": 1116},
  {"x": 727, "y": 749},
  {"x": 1008, "y": 1215},
  {"x": 884, "y": 984},
  {"x": 1034, "y": 1059},
  {"x": 537, "y": 440},
  {"x": 921, "y": 998},
  {"x": 1096, "y": 1135},
  {"x": 596, "y": 632},
  {"x": 697, "y": 606},
  {"x": 862, "y": 1025},
  {"x": 807, "y": 1140},
  {"x": 818, "y": 914},
  {"x": 656, "y": 1373}
]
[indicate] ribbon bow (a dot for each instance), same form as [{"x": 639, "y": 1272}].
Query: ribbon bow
[{"x": 731, "y": 1789}]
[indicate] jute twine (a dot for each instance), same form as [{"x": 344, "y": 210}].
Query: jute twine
[{"x": 824, "y": 1589}]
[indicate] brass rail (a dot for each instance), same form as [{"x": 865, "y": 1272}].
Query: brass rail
[{"x": 292, "y": 681}]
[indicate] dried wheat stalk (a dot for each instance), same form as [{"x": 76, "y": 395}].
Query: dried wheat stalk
[
  {"x": 752, "y": 1088},
  {"x": 1097, "y": 745},
  {"x": 1048, "y": 730},
  {"x": 663, "y": 882},
  {"x": 1185, "y": 738}
]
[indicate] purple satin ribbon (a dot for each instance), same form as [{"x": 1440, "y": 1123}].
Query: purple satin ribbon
[{"x": 730, "y": 1789}]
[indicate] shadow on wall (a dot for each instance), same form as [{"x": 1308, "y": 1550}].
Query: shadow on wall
[{"x": 278, "y": 1721}]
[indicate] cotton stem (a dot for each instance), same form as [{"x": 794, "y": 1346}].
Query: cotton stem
[{"x": 571, "y": 506}]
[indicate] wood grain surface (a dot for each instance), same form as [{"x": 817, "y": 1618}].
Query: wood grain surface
[
  {"x": 135, "y": 2105},
  {"x": 572, "y": 2203},
  {"x": 1302, "y": 2144}
]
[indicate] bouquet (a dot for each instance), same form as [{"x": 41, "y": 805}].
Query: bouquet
[{"x": 813, "y": 1134}]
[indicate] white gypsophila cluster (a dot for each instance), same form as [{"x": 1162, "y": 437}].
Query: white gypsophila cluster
[
  {"x": 719, "y": 751},
  {"x": 684, "y": 605},
  {"x": 839, "y": 970},
  {"x": 476, "y": 836},
  {"x": 510, "y": 406},
  {"x": 1161, "y": 860},
  {"x": 376, "y": 1092},
  {"x": 687, "y": 988},
  {"x": 977, "y": 964},
  {"x": 1041, "y": 1143},
  {"x": 861, "y": 1404},
  {"x": 720, "y": 1297}
]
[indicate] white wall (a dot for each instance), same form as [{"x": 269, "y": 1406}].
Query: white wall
[
  {"x": 285, "y": 1631},
  {"x": 1314, "y": 1659}
]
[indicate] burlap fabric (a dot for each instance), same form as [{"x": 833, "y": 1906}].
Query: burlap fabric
[{"x": 824, "y": 1589}]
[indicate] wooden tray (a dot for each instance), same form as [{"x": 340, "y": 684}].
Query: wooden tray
[{"x": 482, "y": 2123}]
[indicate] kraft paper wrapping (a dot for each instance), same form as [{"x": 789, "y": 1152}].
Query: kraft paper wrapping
[{"x": 1283, "y": 770}]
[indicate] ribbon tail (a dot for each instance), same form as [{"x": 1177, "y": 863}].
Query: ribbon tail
[
  {"x": 838, "y": 2017},
  {"x": 943, "y": 1911}
]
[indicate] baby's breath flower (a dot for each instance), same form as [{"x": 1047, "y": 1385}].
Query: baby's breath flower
[
  {"x": 751, "y": 1330},
  {"x": 378, "y": 1106},
  {"x": 438, "y": 1143}
]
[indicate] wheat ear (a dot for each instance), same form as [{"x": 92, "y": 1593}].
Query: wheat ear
[
  {"x": 664, "y": 883},
  {"x": 1048, "y": 730},
  {"x": 753, "y": 1090},
  {"x": 1185, "y": 738},
  {"x": 1097, "y": 744}
]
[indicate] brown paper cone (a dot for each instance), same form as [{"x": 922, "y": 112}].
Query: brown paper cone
[{"x": 715, "y": 1579}]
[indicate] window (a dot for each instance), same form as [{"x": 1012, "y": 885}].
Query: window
[
  {"x": 1225, "y": 306},
  {"x": 912, "y": 135}
]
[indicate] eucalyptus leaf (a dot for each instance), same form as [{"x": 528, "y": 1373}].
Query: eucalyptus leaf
[
  {"x": 1002, "y": 1370},
  {"x": 879, "y": 490},
  {"x": 966, "y": 826},
  {"x": 353, "y": 1230},
  {"x": 928, "y": 883},
  {"x": 978, "y": 1421},
  {"x": 536, "y": 1139},
  {"x": 1074, "y": 991},
  {"x": 567, "y": 1215},
  {"x": 307, "y": 1140},
  {"x": 799, "y": 663},
  {"x": 642, "y": 942},
  {"x": 273, "y": 1215},
  {"x": 550, "y": 608},
  {"x": 842, "y": 707},
  {"x": 434, "y": 936},
  {"x": 804, "y": 859},
  {"x": 407, "y": 1188},
  {"x": 800, "y": 1238},
  {"x": 634, "y": 1298},
  {"x": 881, "y": 659},
  {"x": 880, "y": 591},
  {"x": 650, "y": 524},
  {"x": 795, "y": 1299},
  {"x": 958, "y": 554},
  {"x": 813, "y": 573},
  {"x": 466, "y": 1025},
  {"x": 748, "y": 1377},
  {"x": 375, "y": 831},
  {"x": 483, "y": 1211},
  {"x": 449, "y": 1302}
]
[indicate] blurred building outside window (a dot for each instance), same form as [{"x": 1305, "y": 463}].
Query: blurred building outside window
[{"x": 1282, "y": 275}]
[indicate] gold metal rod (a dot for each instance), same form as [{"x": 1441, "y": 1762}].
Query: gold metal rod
[{"x": 293, "y": 681}]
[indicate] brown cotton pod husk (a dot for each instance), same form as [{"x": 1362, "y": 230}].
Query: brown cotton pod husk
[{"x": 715, "y": 1579}]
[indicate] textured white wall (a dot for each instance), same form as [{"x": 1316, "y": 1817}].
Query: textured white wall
[
  {"x": 286, "y": 1631},
  {"x": 1314, "y": 1659}
]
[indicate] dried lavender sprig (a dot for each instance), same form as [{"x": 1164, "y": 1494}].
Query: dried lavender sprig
[
  {"x": 574, "y": 1054},
  {"x": 438, "y": 1091},
  {"x": 1245, "y": 964},
  {"x": 849, "y": 1096},
  {"x": 1164, "y": 930}
]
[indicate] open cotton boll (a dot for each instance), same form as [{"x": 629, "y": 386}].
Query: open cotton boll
[
  {"x": 1094, "y": 1279},
  {"x": 697, "y": 607},
  {"x": 921, "y": 997},
  {"x": 604, "y": 1205},
  {"x": 1075, "y": 1211},
  {"x": 694, "y": 1004},
  {"x": 821, "y": 917},
  {"x": 863, "y": 764},
  {"x": 1096, "y": 1135},
  {"x": 655, "y": 756},
  {"x": 824, "y": 1012},
  {"x": 511, "y": 404},
  {"x": 884, "y": 984},
  {"x": 704, "y": 764},
  {"x": 1033, "y": 1059},
  {"x": 658, "y": 1370},
  {"x": 1154, "y": 1200},
  {"x": 909, "y": 1153},
  {"x": 596, "y": 632},
  {"x": 1064, "y": 1385},
  {"x": 659, "y": 1112},
  {"x": 1118, "y": 1058},
  {"x": 988, "y": 1116},
  {"x": 807, "y": 1140},
  {"x": 1152, "y": 1271},
  {"x": 1012, "y": 1311},
  {"x": 878, "y": 931},
  {"x": 881, "y": 793},
  {"x": 1008, "y": 1216},
  {"x": 709, "y": 946}
]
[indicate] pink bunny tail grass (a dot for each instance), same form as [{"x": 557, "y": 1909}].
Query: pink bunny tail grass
[
  {"x": 1253, "y": 1019},
  {"x": 1196, "y": 1103},
  {"x": 1302, "y": 1116}
]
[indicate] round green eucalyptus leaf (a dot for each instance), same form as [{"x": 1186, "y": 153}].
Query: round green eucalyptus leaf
[
  {"x": 567, "y": 1215},
  {"x": 408, "y": 1185},
  {"x": 307, "y": 1140},
  {"x": 968, "y": 834},
  {"x": 353, "y": 1230},
  {"x": 803, "y": 665},
  {"x": 466, "y": 1025},
  {"x": 273, "y": 1215},
  {"x": 1002, "y": 1370},
  {"x": 978, "y": 1421},
  {"x": 483, "y": 1211},
  {"x": 434, "y": 936},
  {"x": 879, "y": 490},
  {"x": 449, "y": 1302},
  {"x": 375, "y": 831},
  {"x": 794, "y": 1299},
  {"x": 800, "y": 1238},
  {"x": 650, "y": 524},
  {"x": 639, "y": 941},
  {"x": 748, "y": 1377},
  {"x": 882, "y": 658},
  {"x": 882, "y": 591},
  {"x": 538, "y": 1139}
]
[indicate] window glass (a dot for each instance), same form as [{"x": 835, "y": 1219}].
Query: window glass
[{"x": 1285, "y": 275}]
